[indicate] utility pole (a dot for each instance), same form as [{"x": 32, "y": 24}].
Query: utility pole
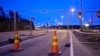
[
  {"x": 30, "y": 26},
  {"x": 14, "y": 21},
  {"x": 68, "y": 22},
  {"x": 47, "y": 26},
  {"x": 92, "y": 20},
  {"x": 81, "y": 26}
]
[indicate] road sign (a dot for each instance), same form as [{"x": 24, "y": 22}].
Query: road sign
[
  {"x": 98, "y": 13},
  {"x": 80, "y": 15}
]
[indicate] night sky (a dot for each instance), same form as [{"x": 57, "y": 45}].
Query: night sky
[{"x": 41, "y": 18}]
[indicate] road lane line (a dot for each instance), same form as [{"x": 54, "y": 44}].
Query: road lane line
[{"x": 71, "y": 48}]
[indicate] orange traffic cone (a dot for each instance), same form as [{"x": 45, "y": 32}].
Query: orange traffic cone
[
  {"x": 55, "y": 49},
  {"x": 16, "y": 42}
]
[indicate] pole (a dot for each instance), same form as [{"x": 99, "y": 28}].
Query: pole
[
  {"x": 62, "y": 17},
  {"x": 47, "y": 27},
  {"x": 56, "y": 23},
  {"x": 30, "y": 26},
  {"x": 81, "y": 26},
  {"x": 81, "y": 5},
  {"x": 91, "y": 21},
  {"x": 14, "y": 21},
  {"x": 72, "y": 22},
  {"x": 68, "y": 21}
]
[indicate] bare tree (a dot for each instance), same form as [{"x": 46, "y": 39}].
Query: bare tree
[{"x": 11, "y": 14}]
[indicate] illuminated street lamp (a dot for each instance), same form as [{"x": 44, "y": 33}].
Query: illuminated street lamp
[
  {"x": 42, "y": 25},
  {"x": 72, "y": 10},
  {"x": 39, "y": 23},
  {"x": 62, "y": 17},
  {"x": 82, "y": 20},
  {"x": 56, "y": 21}
]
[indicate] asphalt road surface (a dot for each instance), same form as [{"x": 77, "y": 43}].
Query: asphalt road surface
[{"x": 41, "y": 46}]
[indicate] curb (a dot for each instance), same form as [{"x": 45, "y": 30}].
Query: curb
[{"x": 29, "y": 37}]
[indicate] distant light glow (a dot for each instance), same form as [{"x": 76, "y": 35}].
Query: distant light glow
[
  {"x": 59, "y": 23},
  {"x": 42, "y": 25},
  {"x": 39, "y": 23},
  {"x": 82, "y": 18},
  {"x": 72, "y": 10},
  {"x": 90, "y": 20},
  {"x": 86, "y": 25},
  {"x": 48, "y": 10},
  {"x": 62, "y": 17},
  {"x": 56, "y": 20}
]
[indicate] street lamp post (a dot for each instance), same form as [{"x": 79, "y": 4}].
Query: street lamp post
[
  {"x": 81, "y": 28},
  {"x": 82, "y": 20},
  {"x": 15, "y": 21},
  {"x": 47, "y": 26},
  {"x": 68, "y": 21},
  {"x": 56, "y": 22},
  {"x": 31, "y": 26},
  {"x": 72, "y": 10},
  {"x": 39, "y": 26},
  {"x": 62, "y": 17}
]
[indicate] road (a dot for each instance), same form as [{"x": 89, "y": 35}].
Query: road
[{"x": 41, "y": 46}]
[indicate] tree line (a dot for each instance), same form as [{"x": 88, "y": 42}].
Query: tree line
[{"x": 7, "y": 22}]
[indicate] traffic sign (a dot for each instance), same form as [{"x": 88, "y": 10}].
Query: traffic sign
[
  {"x": 80, "y": 15},
  {"x": 98, "y": 13}
]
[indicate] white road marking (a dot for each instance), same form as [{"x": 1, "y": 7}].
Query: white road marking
[{"x": 71, "y": 48}]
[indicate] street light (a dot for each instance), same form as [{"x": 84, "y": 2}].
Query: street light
[
  {"x": 15, "y": 21},
  {"x": 81, "y": 26},
  {"x": 31, "y": 25},
  {"x": 72, "y": 10},
  {"x": 39, "y": 23},
  {"x": 56, "y": 22},
  {"x": 62, "y": 17},
  {"x": 47, "y": 24}
]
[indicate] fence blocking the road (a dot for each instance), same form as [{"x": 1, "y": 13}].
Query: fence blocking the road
[{"x": 54, "y": 48}]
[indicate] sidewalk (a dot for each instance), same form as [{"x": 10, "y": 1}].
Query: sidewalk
[
  {"x": 90, "y": 34},
  {"x": 23, "y": 35},
  {"x": 89, "y": 40}
]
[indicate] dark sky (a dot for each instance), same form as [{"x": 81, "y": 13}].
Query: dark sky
[{"x": 44, "y": 17}]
